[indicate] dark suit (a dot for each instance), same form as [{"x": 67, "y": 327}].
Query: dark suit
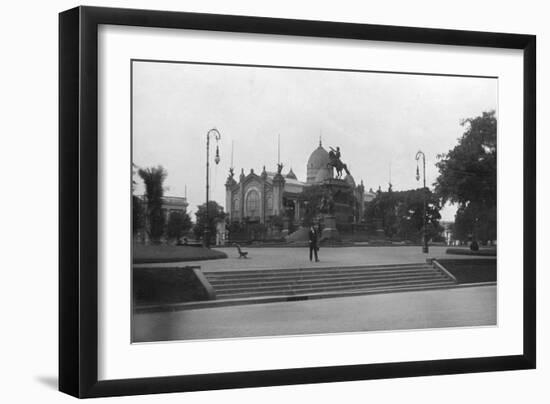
[{"x": 313, "y": 244}]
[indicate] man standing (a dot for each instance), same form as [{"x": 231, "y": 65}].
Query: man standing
[{"x": 313, "y": 244}]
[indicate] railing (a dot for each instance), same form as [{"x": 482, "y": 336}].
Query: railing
[{"x": 443, "y": 269}]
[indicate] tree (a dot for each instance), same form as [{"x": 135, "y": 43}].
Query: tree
[
  {"x": 277, "y": 221},
  {"x": 256, "y": 231},
  {"x": 388, "y": 204},
  {"x": 467, "y": 177},
  {"x": 215, "y": 214},
  {"x": 153, "y": 179},
  {"x": 178, "y": 224},
  {"x": 137, "y": 208},
  {"x": 137, "y": 215},
  {"x": 235, "y": 230},
  {"x": 474, "y": 224},
  {"x": 383, "y": 208},
  {"x": 402, "y": 213},
  {"x": 410, "y": 214}
]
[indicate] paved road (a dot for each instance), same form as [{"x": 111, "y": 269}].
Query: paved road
[
  {"x": 296, "y": 257},
  {"x": 468, "y": 306}
]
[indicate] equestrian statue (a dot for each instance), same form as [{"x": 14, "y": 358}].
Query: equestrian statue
[{"x": 335, "y": 162}]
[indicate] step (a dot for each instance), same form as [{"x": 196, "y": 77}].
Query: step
[
  {"x": 270, "y": 274},
  {"x": 270, "y": 279},
  {"x": 323, "y": 281},
  {"x": 342, "y": 281},
  {"x": 338, "y": 291},
  {"x": 302, "y": 291},
  {"x": 306, "y": 269}
]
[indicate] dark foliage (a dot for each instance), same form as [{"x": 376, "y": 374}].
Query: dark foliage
[
  {"x": 402, "y": 213},
  {"x": 178, "y": 224},
  {"x": 311, "y": 199},
  {"x": 467, "y": 177},
  {"x": 154, "y": 179},
  {"x": 138, "y": 218},
  {"x": 215, "y": 214}
]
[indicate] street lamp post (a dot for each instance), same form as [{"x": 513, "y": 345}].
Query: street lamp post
[
  {"x": 217, "y": 136},
  {"x": 420, "y": 154}
]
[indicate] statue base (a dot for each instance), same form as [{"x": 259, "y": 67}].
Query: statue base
[
  {"x": 379, "y": 233},
  {"x": 329, "y": 228},
  {"x": 286, "y": 224}
]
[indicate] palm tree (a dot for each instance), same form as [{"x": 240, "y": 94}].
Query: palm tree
[{"x": 154, "y": 178}]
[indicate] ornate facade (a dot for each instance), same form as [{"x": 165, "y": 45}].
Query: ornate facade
[{"x": 256, "y": 198}]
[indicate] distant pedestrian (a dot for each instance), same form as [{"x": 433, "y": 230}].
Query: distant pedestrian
[{"x": 313, "y": 244}]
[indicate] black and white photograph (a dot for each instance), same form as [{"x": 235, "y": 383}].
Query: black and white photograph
[
  {"x": 275, "y": 202},
  {"x": 272, "y": 201}
]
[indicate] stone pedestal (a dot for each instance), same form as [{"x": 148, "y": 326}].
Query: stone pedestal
[
  {"x": 379, "y": 234},
  {"x": 286, "y": 223},
  {"x": 329, "y": 228}
]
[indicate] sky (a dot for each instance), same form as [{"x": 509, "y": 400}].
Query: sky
[{"x": 379, "y": 120}]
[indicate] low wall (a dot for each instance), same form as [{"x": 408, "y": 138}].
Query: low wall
[
  {"x": 473, "y": 270},
  {"x": 482, "y": 252},
  {"x": 153, "y": 285}
]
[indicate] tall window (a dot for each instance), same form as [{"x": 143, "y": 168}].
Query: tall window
[
  {"x": 236, "y": 208},
  {"x": 253, "y": 203}
]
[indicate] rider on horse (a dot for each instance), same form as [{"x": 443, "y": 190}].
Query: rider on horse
[{"x": 334, "y": 161}]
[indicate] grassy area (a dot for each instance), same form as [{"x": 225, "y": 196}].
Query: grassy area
[
  {"x": 482, "y": 252},
  {"x": 166, "y": 285},
  {"x": 171, "y": 253},
  {"x": 472, "y": 270}
]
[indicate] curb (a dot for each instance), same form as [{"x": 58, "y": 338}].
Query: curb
[{"x": 290, "y": 298}]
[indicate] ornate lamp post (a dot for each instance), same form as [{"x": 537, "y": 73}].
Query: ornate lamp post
[
  {"x": 217, "y": 136},
  {"x": 420, "y": 154}
]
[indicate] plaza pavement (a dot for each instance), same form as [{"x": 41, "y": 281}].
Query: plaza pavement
[
  {"x": 454, "y": 307},
  {"x": 298, "y": 257},
  {"x": 460, "y": 307}
]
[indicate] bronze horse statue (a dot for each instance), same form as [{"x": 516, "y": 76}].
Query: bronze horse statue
[{"x": 335, "y": 162}]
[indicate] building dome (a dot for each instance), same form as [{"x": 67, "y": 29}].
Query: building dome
[
  {"x": 317, "y": 161},
  {"x": 291, "y": 175},
  {"x": 350, "y": 180},
  {"x": 324, "y": 173}
]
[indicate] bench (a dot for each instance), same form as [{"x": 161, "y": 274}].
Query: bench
[{"x": 242, "y": 254}]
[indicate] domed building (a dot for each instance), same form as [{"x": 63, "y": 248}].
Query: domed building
[
  {"x": 317, "y": 165},
  {"x": 260, "y": 198},
  {"x": 350, "y": 180}
]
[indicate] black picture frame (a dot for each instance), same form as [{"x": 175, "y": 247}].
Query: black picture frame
[{"x": 78, "y": 201}]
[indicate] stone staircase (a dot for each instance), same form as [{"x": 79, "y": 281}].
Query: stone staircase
[{"x": 297, "y": 283}]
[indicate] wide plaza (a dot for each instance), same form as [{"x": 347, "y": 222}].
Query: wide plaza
[
  {"x": 464, "y": 306},
  {"x": 297, "y": 257},
  {"x": 445, "y": 308}
]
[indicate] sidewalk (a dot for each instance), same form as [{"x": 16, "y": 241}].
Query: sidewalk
[
  {"x": 461, "y": 307},
  {"x": 290, "y": 257}
]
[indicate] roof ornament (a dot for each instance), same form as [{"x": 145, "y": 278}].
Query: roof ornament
[{"x": 291, "y": 175}]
